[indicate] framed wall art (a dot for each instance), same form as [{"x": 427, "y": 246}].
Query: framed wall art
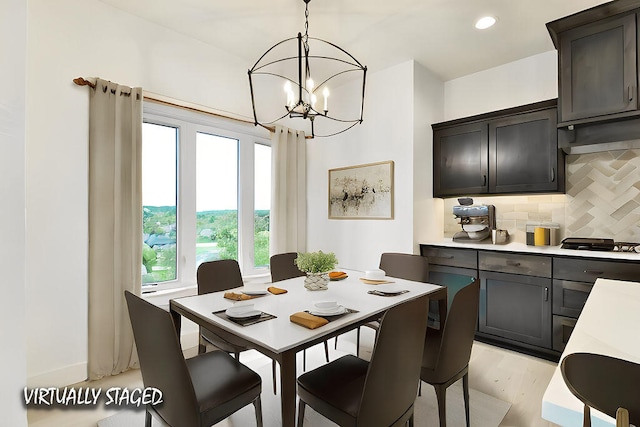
[{"x": 362, "y": 191}]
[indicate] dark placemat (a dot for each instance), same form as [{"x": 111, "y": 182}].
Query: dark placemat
[
  {"x": 337, "y": 316},
  {"x": 245, "y": 322},
  {"x": 387, "y": 294}
]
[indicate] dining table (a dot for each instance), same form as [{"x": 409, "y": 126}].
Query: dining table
[{"x": 278, "y": 338}]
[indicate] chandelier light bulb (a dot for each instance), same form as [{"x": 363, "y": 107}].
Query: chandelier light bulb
[{"x": 325, "y": 93}]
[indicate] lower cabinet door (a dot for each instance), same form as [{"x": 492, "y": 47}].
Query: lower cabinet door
[
  {"x": 562, "y": 328},
  {"x": 516, "y": 307}
]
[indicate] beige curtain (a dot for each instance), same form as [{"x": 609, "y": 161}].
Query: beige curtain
[
  {"x": 115, "y": 224},
  {"x": 288, "y": 226}
]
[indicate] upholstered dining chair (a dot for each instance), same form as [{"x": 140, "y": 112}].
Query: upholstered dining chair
[
  {"x": 196, "y": 392},
  {"x": 447, "y": 351},
  {"x": 353, "y": 392},
  {"x": 604, "y": 383},
  {"x": 215, "y": 276},
  {"x": 283, "y": 267},
  {"x": 402, "y": 266}
]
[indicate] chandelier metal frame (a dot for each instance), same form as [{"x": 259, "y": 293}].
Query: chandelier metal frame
[{"x": 303, "y": 107}]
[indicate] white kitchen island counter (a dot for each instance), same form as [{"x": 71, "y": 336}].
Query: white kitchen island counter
[{"x": 609, "y": 324}]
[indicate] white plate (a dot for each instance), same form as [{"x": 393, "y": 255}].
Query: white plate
[
  {"x": 244, "y": 315},
  {"x": 325, "y": 305},
  {"x": 389, "y": 289},
  {"x": 339, "y": 310},
  {"x": 255, "y": 292}
]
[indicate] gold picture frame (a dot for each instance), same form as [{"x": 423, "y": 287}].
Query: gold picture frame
[{"x": 362, "y": 191}]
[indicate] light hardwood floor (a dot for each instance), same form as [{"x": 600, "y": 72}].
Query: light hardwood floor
[{"x": 506, "y": 375}]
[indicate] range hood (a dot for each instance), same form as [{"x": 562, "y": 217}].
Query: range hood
[{"x": 600, "y": 136}]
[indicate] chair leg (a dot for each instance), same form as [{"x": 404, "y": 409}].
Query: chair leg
[
  {"x": 335, "y": 345},
  {"x": 586, "y": 421},
  {"x": 441, "y": 395},
  {"x": 202, "y": 348},
  {"x": 326, "y": 351},
  {"x": 258, "y": 406},
  {"x": 304, "y": 360},
  {"x": 237, "y": 356},
  {"x": 411, "y": 421},
  {"x": 358, "y": 342},
  {"x": 465, "y": 393},
  {"x": 301, "y": 406},
  {"x": 273, "y": 375},
  {"x": 420, "y": 388},
  {"x": 147, "y": 419}
]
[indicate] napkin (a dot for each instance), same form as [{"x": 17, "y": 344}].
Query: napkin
[
  {"x": 237, "y": 297},
  {"x": 276, "y": 291},
  {"x": 337, "y": 275},
  {"x": 308, "y": 320}
]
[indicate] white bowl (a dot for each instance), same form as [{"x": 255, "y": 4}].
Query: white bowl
[
  {"x": 239, "y": 308},
  {"x": 325, "y": 305},
  {"x": 374, "y": 274}
]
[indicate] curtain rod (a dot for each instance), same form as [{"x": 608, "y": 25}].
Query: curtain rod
[{"x": 80, "y": 81}]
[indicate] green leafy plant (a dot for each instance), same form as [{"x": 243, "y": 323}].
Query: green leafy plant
[{"x": 316, "y": 262}]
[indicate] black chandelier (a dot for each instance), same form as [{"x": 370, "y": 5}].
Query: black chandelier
[{"x": 332, "y": 67}]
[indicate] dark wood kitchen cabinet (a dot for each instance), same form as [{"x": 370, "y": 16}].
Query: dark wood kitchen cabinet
[
  {"x": 515, "y": 297},
  {"x": 597, "y": 63},
  {"x": 573, "y": 279},
  {"x": 505, "y": 152},
  {"x": 460, "y": 160}
]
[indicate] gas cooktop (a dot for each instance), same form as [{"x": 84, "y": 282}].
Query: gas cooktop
[{"x": 596, "y": 244}]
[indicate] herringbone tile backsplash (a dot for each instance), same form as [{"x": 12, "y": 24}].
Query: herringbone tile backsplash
[
  {"x": 603, "y": 195},
  {"x": 602, "y": 200}
]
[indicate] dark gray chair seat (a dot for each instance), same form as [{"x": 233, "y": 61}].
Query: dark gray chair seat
[
  {"x": 604, "y": 383},
  {"x": 352, "y": 392},
  {"x": 197, "y": 392},
  {"x": 447, "y": 351}
]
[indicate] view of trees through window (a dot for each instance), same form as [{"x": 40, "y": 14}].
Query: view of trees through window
[{"x": 216, "y": 201}]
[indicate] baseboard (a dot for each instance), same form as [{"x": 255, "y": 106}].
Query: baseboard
[{"x": 60, "y": 377}]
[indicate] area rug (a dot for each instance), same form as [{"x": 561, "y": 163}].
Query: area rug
[{"x": 485, "y": 410}]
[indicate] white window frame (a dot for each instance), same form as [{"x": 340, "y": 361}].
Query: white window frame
[{"x": 189, "y": 123}]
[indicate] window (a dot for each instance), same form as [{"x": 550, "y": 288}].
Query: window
[{"x": 206, "y": 194}]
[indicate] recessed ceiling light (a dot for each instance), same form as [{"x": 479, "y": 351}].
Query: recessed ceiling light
[{"x": 485, "y": 22}]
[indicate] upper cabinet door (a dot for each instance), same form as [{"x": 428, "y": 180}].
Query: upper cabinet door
[
  {"x": 597, "y": 69},
  {"x": 460, "y": 160},
  {"x": 523, "y": 154}
]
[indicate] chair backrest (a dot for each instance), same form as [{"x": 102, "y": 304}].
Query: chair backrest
[
  {"x": 459, "y": 330},
  {"x": 405, "y": 266},
  {"x": 283, "y": 267},
  {"x": 391, "y": 384},
  {"x": 162, "y": 362},
  {"x": 604, "y": 383},
  {"x": 214, "y": 276}
]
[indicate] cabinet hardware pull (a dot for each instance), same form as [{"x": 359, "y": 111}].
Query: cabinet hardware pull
[
  {"x": 553, "y": 174},
  {"x": 630, "y": 91},
  {"x": 546, "y": 293},
  {"x": 447, "y": 257},
  {"x": 513, "y": 264},
  {"x": 484, "y": 180},
  {"x": 593, "y": 272}
]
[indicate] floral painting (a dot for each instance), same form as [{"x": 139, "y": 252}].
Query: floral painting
[{"x": 361, "y": 192}]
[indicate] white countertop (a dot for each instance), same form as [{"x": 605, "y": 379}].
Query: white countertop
[
  {"x": 609, "y": 324},
  {"x": 539, "y": 250}
]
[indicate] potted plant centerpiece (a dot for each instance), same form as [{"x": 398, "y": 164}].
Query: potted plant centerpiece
[{"x": 317, "y": 266}]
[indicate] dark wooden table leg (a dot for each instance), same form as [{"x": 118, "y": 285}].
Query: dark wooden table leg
[
  {"x": 288, "y": 388},
  {"x": 177, "y": 320}
]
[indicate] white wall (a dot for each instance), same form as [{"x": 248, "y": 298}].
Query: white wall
[
  {"x": 517, "y": 83},
  {"x": 13, "y": 39},
  {"x": 67, "y": 39},
  {"x": 388, "y": 132}
]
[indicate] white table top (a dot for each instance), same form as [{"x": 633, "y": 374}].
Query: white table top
[
  {"x": 609, "y": 324},
  {"x": 281, "y": 334}
]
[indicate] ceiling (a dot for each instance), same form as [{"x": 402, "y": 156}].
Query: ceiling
[{"x": 439, "y": 34}]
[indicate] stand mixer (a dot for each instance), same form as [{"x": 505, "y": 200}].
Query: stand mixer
[{"x": 477, "y": 221}]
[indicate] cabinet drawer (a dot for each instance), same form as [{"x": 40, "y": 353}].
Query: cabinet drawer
[
  {"x": 569, "y": 297},
  {"x": 562, "y": 328},
  {"x": 588, "y": 270},
  {"x": 530, "y": 265},
  {"x": 465, "y": 258}
]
